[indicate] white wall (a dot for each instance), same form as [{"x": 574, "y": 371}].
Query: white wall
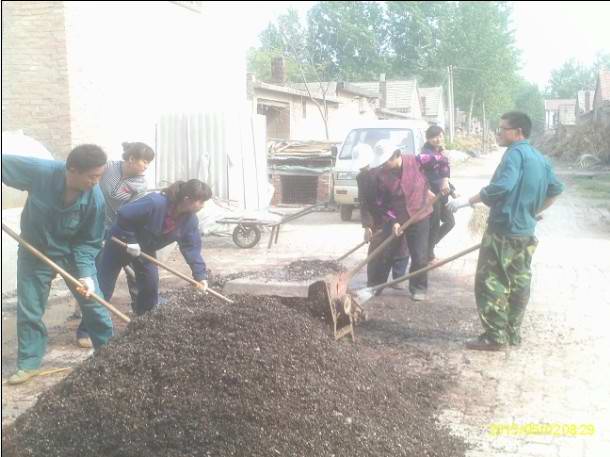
[{"x": 129, "y": 62}]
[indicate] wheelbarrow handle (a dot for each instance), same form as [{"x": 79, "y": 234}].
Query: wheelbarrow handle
[
  {"x": 67, "y": 276},
  {"x": 175, "y": 272}
]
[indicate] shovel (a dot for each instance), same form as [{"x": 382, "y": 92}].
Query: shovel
[
  {"x": 332, "y": 290},
  {"x": 175, "y": 272},
  {"x": 67, "y": 276},
  {"x": 365, "y": 294},
  {"x": 358, "y": 246}
]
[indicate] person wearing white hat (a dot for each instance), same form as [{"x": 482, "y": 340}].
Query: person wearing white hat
[
  {"x": 404, "y": 192},
  {"x": 372, "y": 221}
]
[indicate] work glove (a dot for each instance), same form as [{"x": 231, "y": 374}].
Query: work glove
[
  {"x": 396, "y": 230},
  {"x": 368, "y": 234},
  {"x": 458, "y": 203},
  {"x": 134, "y": 249},
  {"x": 87, "y": 288},
  {"x": 203, "y": 286}
]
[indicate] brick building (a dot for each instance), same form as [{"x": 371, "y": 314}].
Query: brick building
[{"x": 103, "y": 72}]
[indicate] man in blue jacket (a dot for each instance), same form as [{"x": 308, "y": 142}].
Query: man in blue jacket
[
  {"x": 64, "y": 218},
  {"x": 522, "y": 186}
]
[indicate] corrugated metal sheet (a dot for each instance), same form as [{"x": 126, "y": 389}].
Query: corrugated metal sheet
[{"x": 224, "y": 149}]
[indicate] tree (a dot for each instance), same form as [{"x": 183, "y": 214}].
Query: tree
[
  {"x": 347, "y": 39},
  {"x": 414, "y": 30},
  {"x": 289, "y": 40},
  {"x": 529, "y": 99},
  {"x": 569, "y": 78},
  {"x": 477, "y": 39}
]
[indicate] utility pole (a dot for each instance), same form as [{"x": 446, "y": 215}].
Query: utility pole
[
  {"x": 484, "y": 148},
  {"x": 450, "y": 103}
]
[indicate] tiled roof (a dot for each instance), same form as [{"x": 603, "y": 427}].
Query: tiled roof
[
  {"x": 554, "y": 104},
  {"x": 400, "y": 94}
]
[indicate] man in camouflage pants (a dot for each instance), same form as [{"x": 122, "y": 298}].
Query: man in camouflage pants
[{"x": 522, "y": 186}]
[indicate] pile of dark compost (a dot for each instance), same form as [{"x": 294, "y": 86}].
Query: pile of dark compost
[{"x": 197, "y": 377}]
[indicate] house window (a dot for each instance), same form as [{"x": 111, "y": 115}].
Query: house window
[{"x": 304, "y": 103}]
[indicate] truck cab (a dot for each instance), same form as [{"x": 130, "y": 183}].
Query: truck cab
[{"x": 408, "y": 134}]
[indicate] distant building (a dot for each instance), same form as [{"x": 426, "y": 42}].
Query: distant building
[
  {"x": 601, "y": 99},
  {"x": 559, "y": 112},
  {"x": 433, "y": 106}
]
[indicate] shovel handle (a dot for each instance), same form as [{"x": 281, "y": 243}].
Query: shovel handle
[
  {"x": 379, "y": 249},
  {"x": 358, "y": 246},
  {"x": 175, "y": 272},
  {"x": 67, "y": 276},
  {"x": 427, "y": 268}
]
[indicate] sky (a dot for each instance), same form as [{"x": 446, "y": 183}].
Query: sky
[{"x": 548, "y": 33}]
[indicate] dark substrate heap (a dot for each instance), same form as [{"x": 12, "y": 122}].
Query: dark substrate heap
[{"x": 200, "y": 378}]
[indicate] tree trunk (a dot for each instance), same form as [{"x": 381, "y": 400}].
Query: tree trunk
[
  {"x": 469, "y": 126},
  {"x": 484, "y": 147}
]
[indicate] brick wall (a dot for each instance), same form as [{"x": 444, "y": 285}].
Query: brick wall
[
  {"x": 35, "y": 87},
  {"x": 277, "y": 185},
  {"x": 323, "y": 191},
  {"x": 324, "y": 187}
]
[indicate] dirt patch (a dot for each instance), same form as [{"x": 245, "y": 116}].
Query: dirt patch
[
  {"x": 300, "y": 270},
  {"x": 198, "y": 377}
]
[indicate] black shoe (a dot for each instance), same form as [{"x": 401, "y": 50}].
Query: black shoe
[
  {"x": 485, "y": 343},
  {"x": 514, "y": 340}
]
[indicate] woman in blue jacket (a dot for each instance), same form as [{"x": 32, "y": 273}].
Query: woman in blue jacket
[{"x": 149, "y": 224}]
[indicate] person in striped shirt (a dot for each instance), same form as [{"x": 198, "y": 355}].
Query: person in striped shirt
[{"x": 123, "y": 182}]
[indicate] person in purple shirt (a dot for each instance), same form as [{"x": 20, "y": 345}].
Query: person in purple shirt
[
  {"x": 435, "y": 165},
  {"x": 404, "y": 192}
]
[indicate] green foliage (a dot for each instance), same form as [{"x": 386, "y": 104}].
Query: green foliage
[
  {"x": 573, "y": 76},
  {"x": 478, "y": 40},
  {"x": 529, "y": 99},
  {"x": 568, "y": 79},
  {"x": 356, "y": 41},
  {"x": 259, "y": 63},
  {"x": 415, "y": 31},
  {"x": 347, "y": 39}
]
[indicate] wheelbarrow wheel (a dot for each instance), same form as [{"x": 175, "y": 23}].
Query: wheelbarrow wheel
[{"x": 246, "y": 236}]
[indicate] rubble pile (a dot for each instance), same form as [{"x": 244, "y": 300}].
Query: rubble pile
[{"x": 588, "y": 144}]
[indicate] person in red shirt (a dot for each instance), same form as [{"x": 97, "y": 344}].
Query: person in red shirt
[{"x": 404, "y": 192}]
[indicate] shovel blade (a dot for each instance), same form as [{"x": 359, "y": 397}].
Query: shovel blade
[
  {"x": 363, "y": 295},
  {"x": 328, "y": 292}
]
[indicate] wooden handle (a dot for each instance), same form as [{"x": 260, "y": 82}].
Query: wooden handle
[
  {"x": 389, "y": 239},
  {"x": 427, "y": 268},
  {"x": 67, "y": 276},
  {"x": 358, "y": 246},
  {"x": 175, "y": 272}
]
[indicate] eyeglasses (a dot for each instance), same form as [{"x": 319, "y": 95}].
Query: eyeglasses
[{"x": 499, "y": 129}]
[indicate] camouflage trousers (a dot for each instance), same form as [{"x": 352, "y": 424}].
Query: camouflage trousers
[{"x": 502, "y": 284}]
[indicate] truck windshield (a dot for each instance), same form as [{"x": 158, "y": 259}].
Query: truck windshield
[{"x": 401, "y": 137}]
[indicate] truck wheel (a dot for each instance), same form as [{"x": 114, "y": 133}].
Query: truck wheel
[{"x": 346, "y": 212}]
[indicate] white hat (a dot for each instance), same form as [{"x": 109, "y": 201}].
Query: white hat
[
  {"x": 363, "y": 154},
  {"x": 384, "y": 149}
]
